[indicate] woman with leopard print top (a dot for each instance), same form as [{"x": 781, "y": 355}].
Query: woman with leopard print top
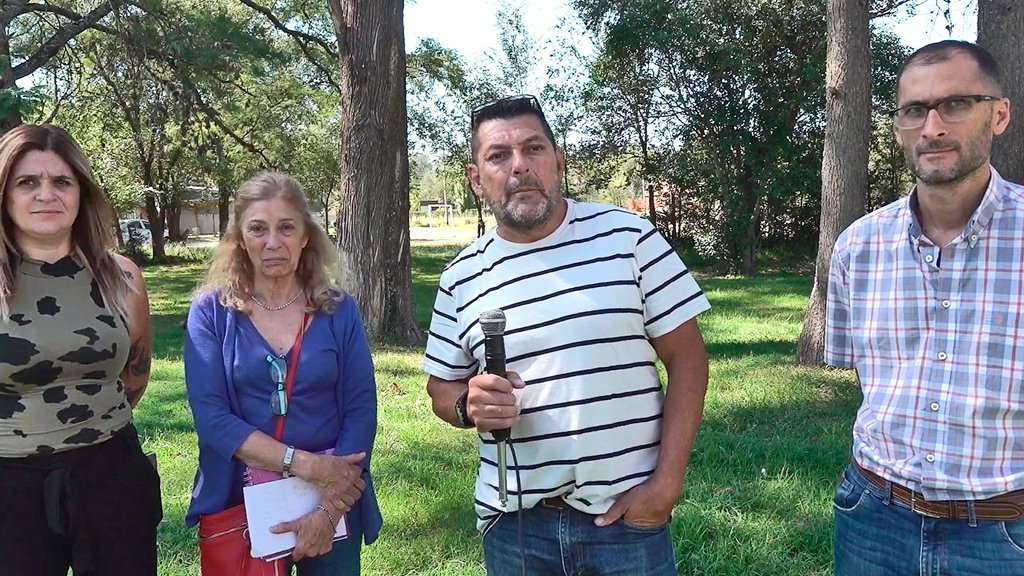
[{"x": 76, "y": 490}]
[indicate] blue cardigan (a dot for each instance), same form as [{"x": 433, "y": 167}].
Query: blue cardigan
[{"x": 333, "y": 402}]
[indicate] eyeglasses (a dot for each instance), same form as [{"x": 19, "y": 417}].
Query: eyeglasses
[
  {"x": 952, "y": 110},
  {"x": 484, "y": 111},
  {"x": 278, "y": 373}
]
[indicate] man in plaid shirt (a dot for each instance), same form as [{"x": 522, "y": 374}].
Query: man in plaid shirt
[{"x": 925, "y": 300}]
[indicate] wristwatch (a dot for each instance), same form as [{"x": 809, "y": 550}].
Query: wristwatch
[
  {"x": 286, "y": 464},
  {"x": 461, "y": 413}
]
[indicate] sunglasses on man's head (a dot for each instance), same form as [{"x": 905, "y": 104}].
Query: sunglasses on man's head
[{"x": 509, "y": 103}]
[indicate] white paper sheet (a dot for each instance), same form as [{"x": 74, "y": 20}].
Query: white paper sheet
[{"x": 280, "y": 501}]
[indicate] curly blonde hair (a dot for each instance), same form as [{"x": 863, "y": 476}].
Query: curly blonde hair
[
  {"x": 231, "y": 270},
  {"x": 92, "y": 234}
]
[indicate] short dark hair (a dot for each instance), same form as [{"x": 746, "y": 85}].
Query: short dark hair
[
  {"x": 503, "y": 108},
  {"x": 945, "y": 50}
]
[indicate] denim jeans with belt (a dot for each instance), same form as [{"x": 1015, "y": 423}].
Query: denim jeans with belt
[
  {"x": 878, "y": 536},
  {"x": 566, "y": 542}
]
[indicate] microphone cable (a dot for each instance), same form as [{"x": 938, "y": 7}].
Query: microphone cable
[{"x": 519, "y": 505}]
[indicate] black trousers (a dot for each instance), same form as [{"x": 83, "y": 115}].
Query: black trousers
[{"x": 93, "y": 509}]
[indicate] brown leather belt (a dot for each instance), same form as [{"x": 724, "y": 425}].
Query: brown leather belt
[
  {"x": 1006, "y": 507},
  {"x": 556, "y": 502}
]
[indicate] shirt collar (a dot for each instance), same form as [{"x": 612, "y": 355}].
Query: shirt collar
[{"x": 993, "y": 197}]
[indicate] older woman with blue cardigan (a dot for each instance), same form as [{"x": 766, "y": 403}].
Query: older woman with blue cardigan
[{"x": 268, "y": 293}]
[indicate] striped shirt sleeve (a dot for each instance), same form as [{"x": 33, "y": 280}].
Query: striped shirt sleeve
[
  {"x": 445, "y": 357},
  {"x": 838, "y": 337},
  {"x": 671, "y": 295}
]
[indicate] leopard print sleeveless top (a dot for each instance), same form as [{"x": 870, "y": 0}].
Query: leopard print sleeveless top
[{"x": 61, "y": 356}]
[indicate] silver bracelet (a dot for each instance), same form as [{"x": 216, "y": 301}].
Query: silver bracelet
[{"x": 330, "y": 518}]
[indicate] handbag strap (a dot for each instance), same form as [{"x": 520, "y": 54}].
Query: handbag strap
[{"x": 293, "y": 365}]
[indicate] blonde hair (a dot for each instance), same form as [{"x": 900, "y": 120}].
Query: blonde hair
[
  {"x": 231, "y": 271},
  {"x": 92, "y": 234}
]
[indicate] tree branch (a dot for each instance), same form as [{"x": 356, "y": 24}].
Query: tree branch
[
  {"x": 302, "y": 40},
  {"x": 891, "y": 6},
  {"x": 69, "y": 14},
  {"x": 60, "y": 39},
  {"x": 12, "y": 10},
  {"x": 214, "y": 117},
  {"x": 293, "y": 33}
]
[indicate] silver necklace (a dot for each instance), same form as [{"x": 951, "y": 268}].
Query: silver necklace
[{"x": 276, "y": 308}]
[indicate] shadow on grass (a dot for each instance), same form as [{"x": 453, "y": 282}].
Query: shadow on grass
[
  {"x": 168, "y": 335},
  {"x": 781, "y": 348}
]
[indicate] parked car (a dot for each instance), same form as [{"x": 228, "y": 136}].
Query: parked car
[{"x": 137, "y": 229}]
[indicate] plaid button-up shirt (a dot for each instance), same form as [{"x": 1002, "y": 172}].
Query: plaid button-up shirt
[{"x": 933, "y": 335}]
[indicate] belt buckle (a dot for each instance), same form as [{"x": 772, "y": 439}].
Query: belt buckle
[{"x": 913, "y": 506}]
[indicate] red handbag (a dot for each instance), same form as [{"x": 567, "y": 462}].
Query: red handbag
[
  {"x": 224, "y": 537},
  {"x": 224, "y": 547}
]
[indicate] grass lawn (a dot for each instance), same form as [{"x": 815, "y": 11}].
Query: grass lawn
[{"x": 758, "y": 494}]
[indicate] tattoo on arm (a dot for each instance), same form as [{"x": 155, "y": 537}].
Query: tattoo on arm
[
  {"x": 128, "y": 275},
  {"x": 140, "y": 358}
]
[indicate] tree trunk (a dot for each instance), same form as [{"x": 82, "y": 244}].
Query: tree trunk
[
  {"x": 1001, "y": 32},
  {"x": 652, "y": 209},
  {"x": 223, "y": 208},
  {"x": 156, "y": 226},
  {"x": 172, "y": 216},
  {"x": 374, "y": 233},
  {"x": 751, "y": 236},
  {"x": 844, "y": 166},
  {"x": 12, "y": 119}
]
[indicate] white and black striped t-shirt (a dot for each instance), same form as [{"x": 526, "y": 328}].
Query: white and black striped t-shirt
[{"x": 581, "y": 306}]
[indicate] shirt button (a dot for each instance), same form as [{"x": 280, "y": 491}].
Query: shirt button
[
  {"x": 942, "y": 355},
  {"x": 974, "y": 237},
  {"x": 945, "y": 303},
  {"x": 935, "y": 406},
  {"x": 930, "y": 458},
  {"x": 929, "y": 259}
]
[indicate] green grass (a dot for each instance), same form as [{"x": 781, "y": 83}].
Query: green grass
[{"x": 757, "y": 500}]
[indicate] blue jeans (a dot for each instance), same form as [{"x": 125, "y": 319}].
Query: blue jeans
[
  {"x": 566, "y": 542},
  {"x": 876, "y": 536},
  {"x": 343, "y": 559}
]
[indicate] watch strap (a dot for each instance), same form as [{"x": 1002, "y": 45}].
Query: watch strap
[
  {"x": 461, "y": 411},
  {"x": 286, "y": 464}
]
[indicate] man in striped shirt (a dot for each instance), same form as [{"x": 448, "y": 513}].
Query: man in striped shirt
[
  {"x": 593, "y": 297},
  {"x": 926, "y": 301}
]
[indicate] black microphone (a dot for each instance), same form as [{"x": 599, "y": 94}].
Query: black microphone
[{"x": 492, "y": 323}]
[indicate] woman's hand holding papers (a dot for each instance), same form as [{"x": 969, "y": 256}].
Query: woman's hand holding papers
[{"x": 314, "y": 533}]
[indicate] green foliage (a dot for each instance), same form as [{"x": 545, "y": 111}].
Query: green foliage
[
  {"x": 20, "y": 103},
  {"x": 517, "y": 56},
  {"x": 721, "y": 101}
]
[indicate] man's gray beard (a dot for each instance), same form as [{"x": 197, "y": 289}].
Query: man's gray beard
[
  {"x": 974, "y": 151},
  {"x": 523, "y": 218},
  {"x": 966, "y": 166}
]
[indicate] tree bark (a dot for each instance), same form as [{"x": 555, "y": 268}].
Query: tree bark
[
  {"x": 374, "y": 234},
  {"x": 1001, "y": 32},
  {"x": 844, "y": 167},
  {"x": 172, "y": 217},
  {"x": 12, "y": 119},
  {"x": 156, "y": 226},
  {"x": 223, "y": 211}
]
